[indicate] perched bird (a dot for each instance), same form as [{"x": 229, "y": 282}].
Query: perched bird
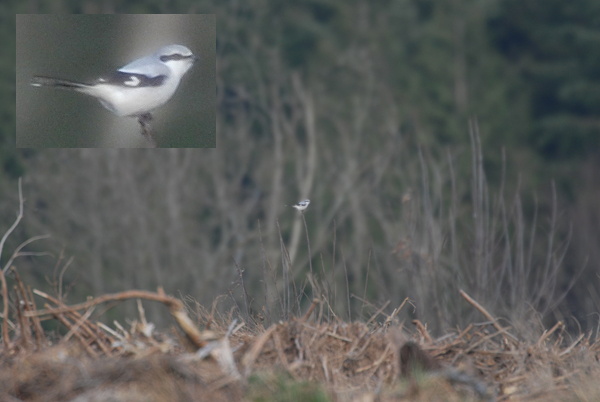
[
  {"x": 135, "y": 89},
  {"x": 302, "y": 205}
]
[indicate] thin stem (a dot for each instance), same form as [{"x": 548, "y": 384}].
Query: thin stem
[
  {"x": 309, "y": 254},
  {"x": 14, "y": 225}
]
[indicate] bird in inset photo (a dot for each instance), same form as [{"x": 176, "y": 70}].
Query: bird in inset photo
[{"x": 137, "y": 88}]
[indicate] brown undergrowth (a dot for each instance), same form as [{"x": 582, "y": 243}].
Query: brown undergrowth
[{"x": 295, "y": 360}]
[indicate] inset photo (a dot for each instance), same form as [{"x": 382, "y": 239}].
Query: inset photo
[{"x": 116, "y": 81}]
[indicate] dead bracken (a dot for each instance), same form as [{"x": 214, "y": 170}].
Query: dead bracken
[{"x": 346, "y": 361}]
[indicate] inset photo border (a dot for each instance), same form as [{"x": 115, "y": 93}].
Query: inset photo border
[{"x": 86, "y": 81}]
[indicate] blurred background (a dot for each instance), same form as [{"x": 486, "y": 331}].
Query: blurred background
[{"x": 444, "y": 145}]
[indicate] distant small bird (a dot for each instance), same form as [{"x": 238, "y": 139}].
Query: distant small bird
[{"x": 302, "y": 205}]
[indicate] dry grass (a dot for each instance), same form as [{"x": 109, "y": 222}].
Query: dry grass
[{"x": 294, "y": 360}]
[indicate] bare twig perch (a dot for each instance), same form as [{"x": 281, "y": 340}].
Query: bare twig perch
[{"x": 144, "y": 121}]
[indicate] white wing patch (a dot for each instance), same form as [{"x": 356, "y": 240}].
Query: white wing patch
[{"x": 132, "y": 82}]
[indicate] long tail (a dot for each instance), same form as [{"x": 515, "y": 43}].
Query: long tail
[{"x": 38, "y": 81}]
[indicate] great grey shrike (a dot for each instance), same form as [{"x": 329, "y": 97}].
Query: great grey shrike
[
  {"x": 137, "y": 88},
  {"x": 302, "y": 205}
]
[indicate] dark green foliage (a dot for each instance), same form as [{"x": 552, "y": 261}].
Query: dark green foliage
[{"x": 556, "y": 47}]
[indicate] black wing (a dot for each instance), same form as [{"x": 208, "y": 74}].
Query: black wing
[{"x": 132, "y": 80}]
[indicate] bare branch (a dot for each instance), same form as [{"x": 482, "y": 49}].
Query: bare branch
[
  {"x": 14, "y": 225},
  {"x": 18, "y": 249}
]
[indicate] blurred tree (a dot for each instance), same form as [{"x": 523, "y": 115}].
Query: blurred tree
[
  {"x": 361, "y": 106},
  {"x": 556, "y": 46}
]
